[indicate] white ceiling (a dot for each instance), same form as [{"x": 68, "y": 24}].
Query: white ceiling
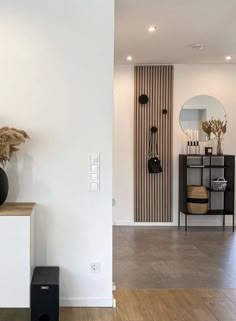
[{"x": 181, "y": 23}]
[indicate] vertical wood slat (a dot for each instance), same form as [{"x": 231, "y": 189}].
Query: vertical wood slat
[{"x": 153, "y": 192}]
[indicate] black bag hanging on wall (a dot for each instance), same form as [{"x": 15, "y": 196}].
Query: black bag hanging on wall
[{"x": 154, "y": 164}]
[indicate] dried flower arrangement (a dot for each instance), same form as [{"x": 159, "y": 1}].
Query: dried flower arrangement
[
  {"x": 10, "y": 139},
  {"x": 207, "y": 128},
  {"x": 218, "y": 128}
]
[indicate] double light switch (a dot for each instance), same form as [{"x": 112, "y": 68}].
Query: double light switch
[{"x": 94, "y": 172}]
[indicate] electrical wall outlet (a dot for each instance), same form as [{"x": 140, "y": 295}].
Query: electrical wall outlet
[{"x": 94, "y": 267}]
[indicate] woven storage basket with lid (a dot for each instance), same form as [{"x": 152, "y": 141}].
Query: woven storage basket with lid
[{"x": 197, "y": 199}]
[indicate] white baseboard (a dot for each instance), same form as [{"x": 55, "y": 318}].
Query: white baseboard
[
  {"x": 87, "y": 302},
  {"x": 194, "y": 222},
  {"x": 130, "y": 223}
]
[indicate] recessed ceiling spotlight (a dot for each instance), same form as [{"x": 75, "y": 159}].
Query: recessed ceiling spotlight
[
  {"x": 228, "y": 58},
  {"x": 152, "y": 28},
  {"x": 198, "y": 46},
  {"x": 129, "y": 58}
]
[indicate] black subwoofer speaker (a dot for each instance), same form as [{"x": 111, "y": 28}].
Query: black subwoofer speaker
[{"x": 45, "y": 294}]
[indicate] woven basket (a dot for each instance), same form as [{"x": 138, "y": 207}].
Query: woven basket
[{"x": 197, "y": 199}]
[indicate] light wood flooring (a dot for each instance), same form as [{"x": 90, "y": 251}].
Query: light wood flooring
[
  {"x": 152, "y": 305},
  {"x": 158, "y": 257}
]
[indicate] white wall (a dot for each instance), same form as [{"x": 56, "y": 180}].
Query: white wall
[
  {"x": 123, "y": 162},
  {"x": 56, "y": 61},
  {"x": 189, "y": 80}
]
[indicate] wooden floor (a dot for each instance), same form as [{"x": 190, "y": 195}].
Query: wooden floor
[
  {"x": 152, "y": 305},
  {"x": 154, "y": 257},
  {"x": 165, "y": 275}
]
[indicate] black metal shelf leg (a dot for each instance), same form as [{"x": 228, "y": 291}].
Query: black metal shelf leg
[{"x": 186, "y": 222}]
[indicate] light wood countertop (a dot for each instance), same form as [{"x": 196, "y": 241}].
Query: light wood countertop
[{"x": 16, "y": 209}]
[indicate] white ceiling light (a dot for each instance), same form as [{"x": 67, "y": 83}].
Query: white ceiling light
[
  {"x": 228, "y": 58},
  {"x": 129, "y": 58},
  {"x": 152, "y": 28},
  {"x": 198, "y": 46}
]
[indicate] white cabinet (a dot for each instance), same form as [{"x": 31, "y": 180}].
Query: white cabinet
[{"x": 17, "y": 234}]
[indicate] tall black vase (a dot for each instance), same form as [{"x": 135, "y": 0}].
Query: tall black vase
[{"x": 4, "y": 186}]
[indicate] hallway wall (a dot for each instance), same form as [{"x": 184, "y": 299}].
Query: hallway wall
[{"x": 189, "y": 80}]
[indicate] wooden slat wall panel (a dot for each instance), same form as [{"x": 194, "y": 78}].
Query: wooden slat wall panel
[{"x": 153, "y": 192}]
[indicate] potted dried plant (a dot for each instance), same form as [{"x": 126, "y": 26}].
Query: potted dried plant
[
  {"x": 216, "y": 127},
  {"x": 10, "y": 139},
  {"x": 219, "y": 129}
]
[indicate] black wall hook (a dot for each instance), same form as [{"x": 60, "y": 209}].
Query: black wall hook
[
  {"x": 143, "y": 99},
  {"x": 153, "y": 130},
  {"x": 164, "y": 111}
]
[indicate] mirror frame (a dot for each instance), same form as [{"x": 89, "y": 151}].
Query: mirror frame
[{"x": 217, "y": 100}]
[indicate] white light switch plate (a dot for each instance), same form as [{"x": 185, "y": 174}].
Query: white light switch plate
[
  {"x": 94, "y": 187},
  {"x": 94, "y": 177},
  {"x": 94, "y": 168},
  {"x": 94, "y": 172},
  {"x": 94, "y": 158}
]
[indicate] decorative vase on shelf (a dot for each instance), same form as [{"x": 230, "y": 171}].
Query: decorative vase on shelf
[
  {"x": 10, "y": 139},
  {"x": 219, "y": 146},
  {"x": 209, "y": 143},
  {"x": 208, "y": 139},
  {"x": 4, "y": 186}
]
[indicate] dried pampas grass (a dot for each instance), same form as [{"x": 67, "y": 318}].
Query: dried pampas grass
[
  {"x": 10, "y": 139},
  {"x": 215, "y": 126},
  {"x": 207, "y": 128},
  {"x": 219, "y": 127}
]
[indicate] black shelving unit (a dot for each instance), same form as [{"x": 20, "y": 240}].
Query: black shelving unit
[{"x": 201, "y": 170}]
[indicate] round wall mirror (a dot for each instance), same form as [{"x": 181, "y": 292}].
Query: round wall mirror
[{"x": 198, "y": 109}]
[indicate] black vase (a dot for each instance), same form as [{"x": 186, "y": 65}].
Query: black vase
[{"x": 4, "y": 187}]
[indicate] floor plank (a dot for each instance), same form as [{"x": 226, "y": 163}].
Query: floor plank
[
  {"x": 231, "y": 294},
  {"x": 75, "y": 314},
  {"x": 132, "y": 305},
  {"x": 151, "y": 305},
  {"x": 198, "y": 314},
  {"x": 158, "y": 303},
  {"x": 222, "y": 309}
]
